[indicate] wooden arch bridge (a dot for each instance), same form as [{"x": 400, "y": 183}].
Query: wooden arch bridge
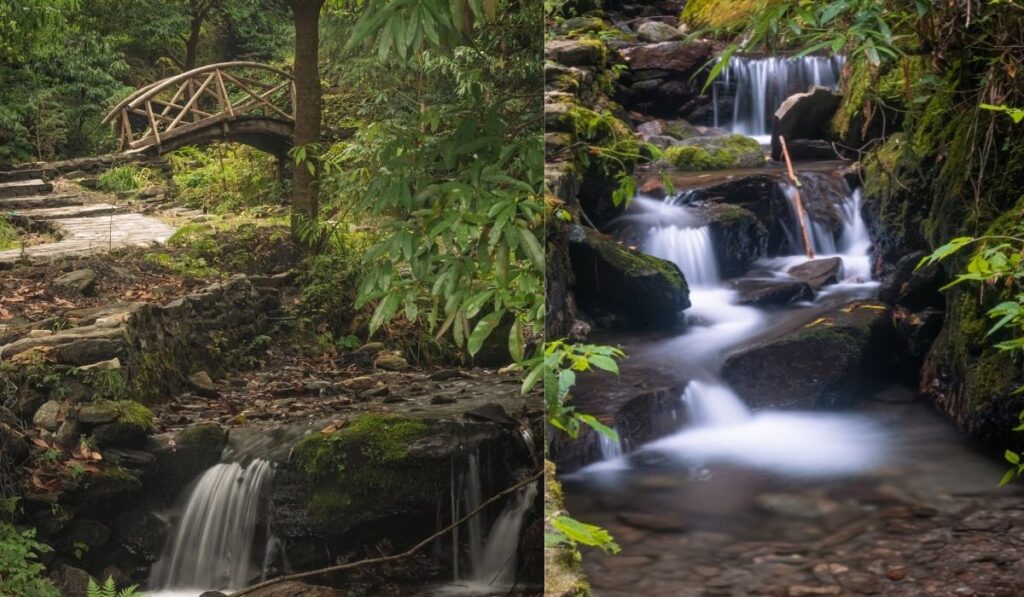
[{"x": 243, "y": 102}]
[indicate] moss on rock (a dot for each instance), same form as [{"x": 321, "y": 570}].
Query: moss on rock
[
  {"x": 716, "y": 153},
  {"x": 364, "y": 469},
  {"x": 563, "y": 576}
]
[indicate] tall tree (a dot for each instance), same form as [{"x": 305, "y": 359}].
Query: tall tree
[
  {"x": 198, "y": 10},
  {"x": 306, "y": 14}
]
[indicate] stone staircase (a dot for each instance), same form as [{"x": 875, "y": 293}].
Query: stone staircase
[{"x": 84, "y": 227}]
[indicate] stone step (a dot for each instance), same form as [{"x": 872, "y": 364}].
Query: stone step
[
  {"x": 72, "y": 211},
  {"x": 37, "y": 201},
  {"x": 20, "y": 175},
  {"x": 88, "y": 236},
  {"x": 23, "y": 188}
]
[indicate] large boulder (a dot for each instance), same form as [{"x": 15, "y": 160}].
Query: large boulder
[
  {"x": 804, "y": 116},
  {"x": 643, "y": 290},
  {"x": 832, "y": 359},
  {"x": 678, "y": 56}
]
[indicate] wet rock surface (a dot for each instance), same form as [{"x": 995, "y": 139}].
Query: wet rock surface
[
  {"x": 641, "y": 403},
  {"x": 822, "y": 363},
  {"x": 640, "y": 289}
]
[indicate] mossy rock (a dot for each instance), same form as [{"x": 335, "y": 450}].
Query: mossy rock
[
  {"x": 715, "y": 153},
  {"x": 109, "y": 485},
  {"x": 132, "y": 424},
  {"x": 641, "y": 289},
  {"x": 829, "y": 361},
  {"x": 365, "y": 471}
]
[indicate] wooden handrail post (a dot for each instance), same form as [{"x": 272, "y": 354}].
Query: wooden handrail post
[{"x": 808, "y": 245}]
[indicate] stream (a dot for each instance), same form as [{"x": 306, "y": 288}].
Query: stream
[{"x": 864, "y": 499}]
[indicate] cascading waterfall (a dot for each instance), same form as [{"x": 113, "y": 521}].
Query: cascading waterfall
[
  {"x": 821, "y": 237},
  {"x": 760, "y": 85},
  {"x": 213, "y": 546},
  {"x": 497, "y": 565},
  {"x": 491, "y": 558},
  {"x": 689, "y": 248}
]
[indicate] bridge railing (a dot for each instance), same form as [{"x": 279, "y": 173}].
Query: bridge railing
[{"x": 201, "y": 97}]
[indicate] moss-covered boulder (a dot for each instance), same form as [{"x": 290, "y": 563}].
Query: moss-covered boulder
[
  {"x": 738, "y": 237},
  {"x": 641, "y": 290},
  {"x": 130, "y": 425},
  {"x": 375, "y": 468},
  {"x": 182, "y": 457},
  {"x": 831, "y": 360},
  {"x": 715, "y": 153}
]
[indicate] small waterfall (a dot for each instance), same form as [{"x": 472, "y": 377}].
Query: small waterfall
[
  {"x": 760, "y": 85},
  {"x": 610, "y": 448},
  {"x": 213, "y": 545},
  {"x": 491, "y": 558},
  {"x": 714, "y": 405},
  {"x": 821, "y": 236},
  {"x": 689, "y": 248},
  {"x": 855, "y": 243}
]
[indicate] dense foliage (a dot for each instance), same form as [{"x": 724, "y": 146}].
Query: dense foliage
[
  {"x": 445, "y": 163},
  {"x": 63, "y": 63}
]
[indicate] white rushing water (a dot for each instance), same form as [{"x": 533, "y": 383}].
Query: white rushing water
[
  {"x": 689, "y": 248},
  {"x": 721, "y": 427},
  {"x": 212, "y": 546},
  {"x": 492, "y": 557},
  {"x": 760, "y": 85},
  {"x": 788, "y": 443}
]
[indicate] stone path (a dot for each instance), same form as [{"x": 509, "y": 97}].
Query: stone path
[{"x": 84, "y": 227}]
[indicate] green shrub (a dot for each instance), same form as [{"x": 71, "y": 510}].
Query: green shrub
[
  {"x": 226, "y": 178},
  {"x": 125, "y": 178},
  {"x": 20, "y": 570},
  {"x": 8, "y": 234}
]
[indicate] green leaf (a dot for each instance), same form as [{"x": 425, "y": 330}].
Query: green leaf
[
  {"x": 605, "y": 363},
  {"x": 385, "y": 310},
  {"x": 483, "y": 329},
  {"x": 585, "y": 534},
  {"x": 515, "y": 341},
  {"x": 599, "y": 427},
  {"x": 1012, "y": 457}
]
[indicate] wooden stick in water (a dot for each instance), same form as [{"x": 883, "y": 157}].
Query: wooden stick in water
[{"x": 808, "y": 245}]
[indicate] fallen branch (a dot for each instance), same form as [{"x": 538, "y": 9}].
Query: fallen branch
[
  {"x": 415, "y": 548},
  {"x": 808, "y": 245}
]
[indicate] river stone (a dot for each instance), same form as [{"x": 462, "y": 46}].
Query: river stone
[
  {"x": 48, "y": 416},
  {"x": 819, "y": 272},
  {"x": 202, "y": 383},
  {"x": 678, "y": 56},
  {"x": 656, "y": 31},
  {"x": 82, "y": 281},
  {"x": 91, "y": 533},
  {"x": 71, "y": 581},
  {"x": 575, "y": 52},
  {"x": 804, "y": 116},
  {"x": 811, "y": 149},
  {"x": 118, "y": 434},
  {"x": 643, "y": 290},
  {"x": 738, "y": 237},
  {"x": 98, "y": 412},
  {"x": 142, "y": 533},
  {"x": 768, "y": 291},
  {"x": 833, "y": 359},
  {"x": 390, "y": 362}
]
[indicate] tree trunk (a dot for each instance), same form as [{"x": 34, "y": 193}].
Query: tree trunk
[
  {"x": 307, "y": 104},
  {"x": 192, "y": 44}
]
